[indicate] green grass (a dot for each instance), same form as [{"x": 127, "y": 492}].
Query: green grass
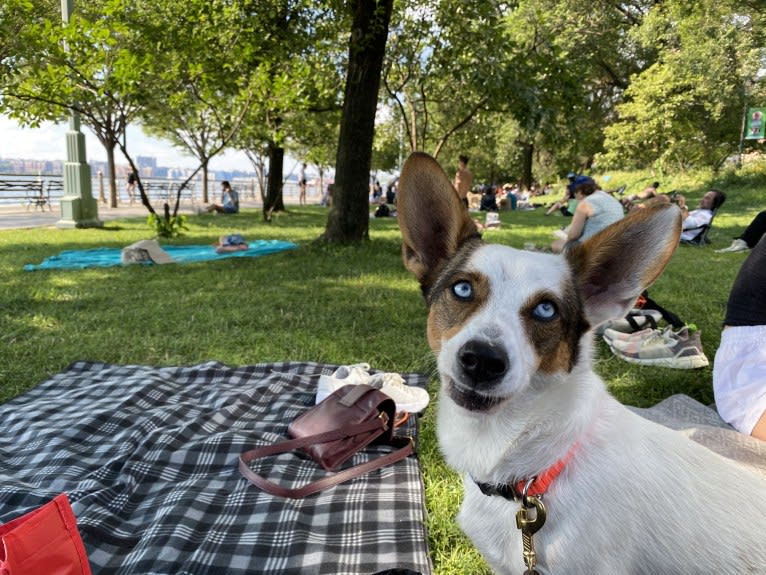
[{"x": 319, "y": 303}]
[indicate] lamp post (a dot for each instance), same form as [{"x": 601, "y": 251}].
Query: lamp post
[{"x": 78, "y": 207}]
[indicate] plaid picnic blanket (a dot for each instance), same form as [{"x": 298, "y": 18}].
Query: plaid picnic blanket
[{"x": 148, "y": 457}]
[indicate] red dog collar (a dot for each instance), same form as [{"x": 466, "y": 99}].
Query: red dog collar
[{"x": 538, "y": 484}]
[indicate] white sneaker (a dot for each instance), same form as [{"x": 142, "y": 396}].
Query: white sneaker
[
  {"x": 344, "y": 375},
  {"x": 492, "y": 220},
  {"x": 737, "y": 245},
  {"x": 407, "y": 397}
]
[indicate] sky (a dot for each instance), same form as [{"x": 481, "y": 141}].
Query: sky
[{"x": 48, "y": 142}]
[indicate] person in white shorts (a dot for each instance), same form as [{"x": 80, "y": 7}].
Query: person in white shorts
[{"x": 739, "y": 369}]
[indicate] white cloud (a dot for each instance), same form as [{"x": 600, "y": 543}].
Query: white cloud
[{"x": 48, "y": 142}]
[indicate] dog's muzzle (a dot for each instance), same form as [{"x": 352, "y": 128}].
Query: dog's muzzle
[{"x": 482, "y": 365}]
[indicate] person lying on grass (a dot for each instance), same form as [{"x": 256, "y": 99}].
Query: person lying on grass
[{"x": 230, "y": 243}]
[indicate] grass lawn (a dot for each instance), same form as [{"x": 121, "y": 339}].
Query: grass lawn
[{"x": 318, "y": 303}]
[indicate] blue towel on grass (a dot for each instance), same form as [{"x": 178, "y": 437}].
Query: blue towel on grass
[{"x": 108, "y": 257}]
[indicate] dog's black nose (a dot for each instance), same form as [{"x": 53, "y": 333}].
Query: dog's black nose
[{"x": 483, "y": 362}]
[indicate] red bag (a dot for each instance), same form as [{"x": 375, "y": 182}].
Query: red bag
[{"x": 45, "y": 541}]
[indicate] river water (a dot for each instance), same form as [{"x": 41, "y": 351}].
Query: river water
[{"x": 159, "y": 189}]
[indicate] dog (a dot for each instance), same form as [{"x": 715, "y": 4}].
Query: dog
[{"x": 520, "y": 407}]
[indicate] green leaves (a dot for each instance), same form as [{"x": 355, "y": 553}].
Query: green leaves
[
  {"x": 532, "y": 87},
  {"x": 685, "y": 109},
  {"x": 167, "y": 227}
]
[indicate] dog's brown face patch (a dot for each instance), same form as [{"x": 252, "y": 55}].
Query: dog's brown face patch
[
  {"x": 457, "y": 295},
  {"x": 555, "y": 325},
  {"x": 552, "y": 319}
]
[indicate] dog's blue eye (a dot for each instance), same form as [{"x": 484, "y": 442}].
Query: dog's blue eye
[
  {"x": 545, "y": 311},
  {"x": 463, "y": 290}
]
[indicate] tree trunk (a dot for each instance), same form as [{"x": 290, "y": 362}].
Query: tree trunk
[
  {"x": 205, "y": 196},
  {"x": 112, "y": 175},
  {"x": 348, "y": 220},
  {"x": 527, "y": 150},
  {"x": 259, "y": 164},
  {"x": 274, "y": 200}
]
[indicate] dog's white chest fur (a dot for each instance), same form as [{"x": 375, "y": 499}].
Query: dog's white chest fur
[{"x": 634, "y": 498}]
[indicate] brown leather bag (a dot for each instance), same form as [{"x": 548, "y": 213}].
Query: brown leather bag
[{"x": 348, "y": 420}]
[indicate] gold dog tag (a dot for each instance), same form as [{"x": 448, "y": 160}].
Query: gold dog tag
[{"x": 529, "y": 526}]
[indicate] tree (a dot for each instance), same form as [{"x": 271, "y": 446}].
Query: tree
[
  {"x": 295, "y": 75},
  {"x": 685, "y": 109},
  {"x": 548, "y": 71},
  {"x": 15, "y": 17},
  {"x": 200, "y": 93},
  {"x": 348, "y": 220},
  {"x": 445, "y": 65},
  {"x": 388, "y": 145},
  {"x": 576, "y": 60},
  {"x": 91, "y": 65},
  {"x": 316, "y": 139}
]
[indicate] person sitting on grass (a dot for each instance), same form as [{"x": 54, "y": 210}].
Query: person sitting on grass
[
  {"x": 383, "y": 211},
  {"x": 739, "y": 369},
  {"x": 229, "y": 200},
  {"x": 694, "y": 220},
  {"x": 595, "y": 210},
  {"x": 567, "y": 203},
  {"x": 488, "y": 200},
  {"x": 647, "y": 193}
]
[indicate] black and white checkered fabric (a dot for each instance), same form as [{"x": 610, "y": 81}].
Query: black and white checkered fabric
[{"x": 148, "y": 457}]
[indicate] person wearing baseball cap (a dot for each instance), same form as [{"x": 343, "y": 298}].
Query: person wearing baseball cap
[{"x": 595, "y": 210}]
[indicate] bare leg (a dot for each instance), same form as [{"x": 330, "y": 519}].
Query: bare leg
[
  {"x": 759, "y": 430},
  {"x": 553, "y": 208}
]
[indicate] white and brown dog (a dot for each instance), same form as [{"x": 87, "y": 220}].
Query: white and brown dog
[{"x": 520, "y": 406}]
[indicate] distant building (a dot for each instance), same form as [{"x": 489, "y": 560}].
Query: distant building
[
  {"x": 146, "y": 162},
  {"x": 147, "y": 166}
]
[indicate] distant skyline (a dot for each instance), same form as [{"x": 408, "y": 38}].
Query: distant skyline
[{"x": 48, "y": 142}]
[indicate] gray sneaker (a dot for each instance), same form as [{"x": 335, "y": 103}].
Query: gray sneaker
[
  {"x": 636, "y": 320},
  {"x": 678, "y": 350}
]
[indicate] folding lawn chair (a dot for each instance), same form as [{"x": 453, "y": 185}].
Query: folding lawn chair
[{"x": 701, "y": 239}]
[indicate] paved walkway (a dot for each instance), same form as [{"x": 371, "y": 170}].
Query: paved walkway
[{"x": 12, "y": 217}]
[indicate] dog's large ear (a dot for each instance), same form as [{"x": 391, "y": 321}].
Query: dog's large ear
[
  {"x": 613, "y": 267},
  {"x": 433, "y": 219}
]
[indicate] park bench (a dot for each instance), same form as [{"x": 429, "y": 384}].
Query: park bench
[
  {"x": 54, "y": 188},
  {"x": 31, "y": 192}
]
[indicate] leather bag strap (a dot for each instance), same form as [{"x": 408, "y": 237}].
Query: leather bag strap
[{"x": 405, "y": 448}]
